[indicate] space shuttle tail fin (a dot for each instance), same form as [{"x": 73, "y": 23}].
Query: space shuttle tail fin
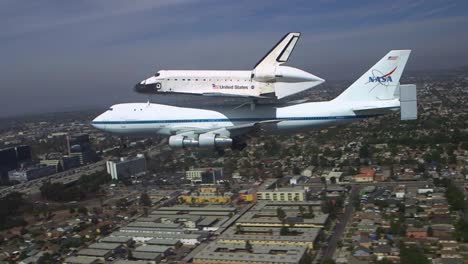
[{"x": 280, "y": 52}]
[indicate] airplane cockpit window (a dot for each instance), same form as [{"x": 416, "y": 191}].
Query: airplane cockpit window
[
  {"x": 110, "y": 109},
  {"x": 157, "y": 74}
]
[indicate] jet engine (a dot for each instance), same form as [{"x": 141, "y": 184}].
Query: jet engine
[
  {"x": 180, "y": 141},
  {"x": 207, "y": 140}
]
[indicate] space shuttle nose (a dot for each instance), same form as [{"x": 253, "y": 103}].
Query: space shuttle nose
[{"x": 150, "y": 88}]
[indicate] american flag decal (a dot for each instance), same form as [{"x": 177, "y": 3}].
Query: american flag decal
[{"x": 392, "y": 57}]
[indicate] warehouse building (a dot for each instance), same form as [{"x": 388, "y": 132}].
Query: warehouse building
[{"x": 235, "y": 253}]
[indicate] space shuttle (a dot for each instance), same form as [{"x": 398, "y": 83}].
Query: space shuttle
[{"x": 269, "y": 79}]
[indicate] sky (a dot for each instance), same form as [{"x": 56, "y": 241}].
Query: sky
[{"x": 60, "y": 55}]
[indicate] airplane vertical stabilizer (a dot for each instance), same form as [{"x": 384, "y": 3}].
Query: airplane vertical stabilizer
[{"x": 380, "y": 81}]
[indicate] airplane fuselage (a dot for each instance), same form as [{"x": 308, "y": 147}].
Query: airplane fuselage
[{"x": 152, "y": 119}]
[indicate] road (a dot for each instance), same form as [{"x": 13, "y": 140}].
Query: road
[{"x": 341, "y": 225}]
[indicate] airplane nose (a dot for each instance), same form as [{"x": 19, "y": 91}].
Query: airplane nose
[
  {"x": 150, "y": 88},
  {"x": 97, "y": 123}
]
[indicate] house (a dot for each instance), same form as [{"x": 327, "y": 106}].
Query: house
[
  {"x": 382, "y": 251},
  {"x": 333, "y": 177},
  {"x": 443, "y": 231},
  {"x": 365, "y": 175},
  {"x": 367, "y": 225},
  {"x": 400, "y": 191},
  {"x": 416, "y": 232},
  {"x": 448, "y": 261},
  {"x": 362, "y": 253}
]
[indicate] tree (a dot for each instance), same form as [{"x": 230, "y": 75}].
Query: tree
[
  {"x": 413, "y": 255},
  {"x": 384, "y": 261},
  {"x": 307, "y": 259},
  {"x": 280, "y": 213},
  {"x": 461, "y": 231},
  {"x": 364, "y": 152},
  {"x": 10, "y": 210},
  {"x": 379, "y": 232},
  {"x": 145, "y": 199},
  {"x": 47, "y": 258},
  {"x": 82, "y": 210},
  {"x": 430, "y": 231},
  {"x": 455, "y": 197},
  {"x": 301, "y": 209},
  {"x": 328, "y": 261},
  {"x": 248, "y": 246}
]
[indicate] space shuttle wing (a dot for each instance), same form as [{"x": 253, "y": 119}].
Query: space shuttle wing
[{"x": 233, "y": 95}]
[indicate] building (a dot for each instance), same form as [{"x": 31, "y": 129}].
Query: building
[
  {"x": 32, "y": 173},
  {"x": 124, "y": 168},
  {"x": 237, "y": 253},
  {"x": 365, "y": 175},
  {"x": 8, "y": 161},
  {"x": 271, "y": 192},
  {"x": 101, "y": 254},
  {"x": 400, "y": 191},
  {"x": 23, "y": 153},
  {"x": 68, "y": 162},
  {"x": 264, "y": 214},
  {"x": 333, "y": 177},
  {"x": 80, "y": 146},
  {"x": 416, "y": 232},
  {"x": 10, "y": 158},
  {"x": 206, "y": 194},
  {"x": 248, "y": 195},
  {"x": 63, "y": 163},
  {"x": 81, "y": 260},
  {"x": 204, "y": 175},
  {"x": 283, "y": 194},
  {"x": 271, "y": 236}
]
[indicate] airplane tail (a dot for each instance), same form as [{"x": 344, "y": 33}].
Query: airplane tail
[{"x": 380, "y": 82}]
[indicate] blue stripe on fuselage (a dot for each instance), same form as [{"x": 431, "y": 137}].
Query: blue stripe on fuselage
[{"x": 248, "y": 119}]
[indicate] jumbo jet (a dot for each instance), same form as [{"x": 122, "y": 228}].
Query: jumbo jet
[
  {"x": 269, "y": 79},
  {"x": 377, "y": 92}
]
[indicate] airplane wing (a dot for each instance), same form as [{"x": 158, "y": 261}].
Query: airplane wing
[
  {"x": 372, "y": 110},
  {"x": 232, "y": 131}
]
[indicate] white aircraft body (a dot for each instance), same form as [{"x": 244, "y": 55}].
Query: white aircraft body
[
  {"x": 376, "y": 93},
  {"x": 268, "y": 80}
]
